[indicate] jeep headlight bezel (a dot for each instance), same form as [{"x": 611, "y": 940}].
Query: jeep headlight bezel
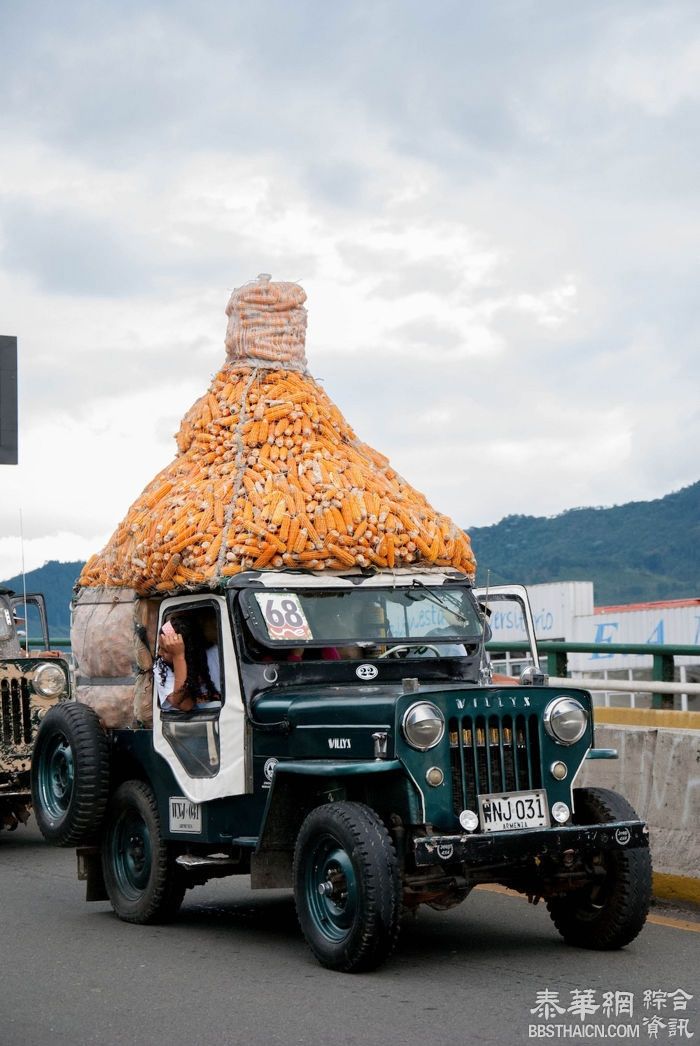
[
  {"x": 49, "y": 680},
  {"x": 423, "y": 725},
  {"x": 566, "y": 720}
]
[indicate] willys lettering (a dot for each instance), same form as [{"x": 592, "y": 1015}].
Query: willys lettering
[{"x": 494, "y": 701}]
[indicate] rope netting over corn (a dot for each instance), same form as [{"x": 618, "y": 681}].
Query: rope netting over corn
[{"x": 269, "y": 474}]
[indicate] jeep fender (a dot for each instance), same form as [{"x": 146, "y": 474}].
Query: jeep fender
[{"x": 299, "y": 787}]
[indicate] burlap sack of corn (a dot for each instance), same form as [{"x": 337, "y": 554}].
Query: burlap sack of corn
[
  {"x": 102, "y": 633},
  {"x": 269, "y": 474},
  {"x": 114, "y": 703},
  {"x": 113, "y": 634}
]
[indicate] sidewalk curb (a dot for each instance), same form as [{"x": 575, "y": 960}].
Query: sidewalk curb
[{"x": 676, "y": 887}]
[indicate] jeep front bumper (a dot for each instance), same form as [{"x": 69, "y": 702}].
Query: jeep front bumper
[{"x": 502, "y": 847}]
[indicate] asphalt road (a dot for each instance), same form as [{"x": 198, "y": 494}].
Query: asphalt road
[{"x": 235, "y": 969}]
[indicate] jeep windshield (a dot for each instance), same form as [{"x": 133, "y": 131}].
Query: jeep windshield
[{"x": 366, "y": 621}]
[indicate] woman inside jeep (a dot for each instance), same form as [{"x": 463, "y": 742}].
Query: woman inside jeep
[{"x": 186, "y": 671}]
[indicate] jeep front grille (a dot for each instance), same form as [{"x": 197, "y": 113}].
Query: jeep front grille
[
  {"x": 15, "y": 712},
  {"x": 490, "y": 754}
]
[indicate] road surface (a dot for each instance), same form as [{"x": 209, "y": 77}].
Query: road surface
[{"x": 235, "y": 969}]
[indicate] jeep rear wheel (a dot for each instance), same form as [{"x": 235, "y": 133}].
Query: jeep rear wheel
[
  {"x": 347, "y": 887},
  {"x": 611, "y": 910},
  {"x": 70, "y": 774},
  {"x": 143, "y": 883}
]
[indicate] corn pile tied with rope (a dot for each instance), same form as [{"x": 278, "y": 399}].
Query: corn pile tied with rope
[{"x": 270, "y": 475}]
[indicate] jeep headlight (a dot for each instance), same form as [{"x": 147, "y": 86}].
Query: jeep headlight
[
  {"x": 423, "y": 725},
  {"x": 49, "y": 680},
  {"x": 565, "y": 719}
]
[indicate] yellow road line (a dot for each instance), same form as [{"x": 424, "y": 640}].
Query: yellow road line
[
  {"x": 677, "y": 924},
  {"x": 497, "y": 888},
  {"x": 659, "y": 920}
]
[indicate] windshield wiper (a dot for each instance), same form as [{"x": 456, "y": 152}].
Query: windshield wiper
[{"x": 430, "y": 594}]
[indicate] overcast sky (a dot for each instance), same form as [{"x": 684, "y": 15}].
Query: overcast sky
[{"x": 492, "y": 207}]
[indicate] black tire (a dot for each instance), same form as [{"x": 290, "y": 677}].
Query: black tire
[
  {"x": 610, "y": 912},
  {"x": 347, "y": 887},
  {"x": 143, "y": 883},
  {"x": 70, "y": 774}
]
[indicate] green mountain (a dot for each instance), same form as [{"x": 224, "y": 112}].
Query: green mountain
[{"x": 633, "y": 553}]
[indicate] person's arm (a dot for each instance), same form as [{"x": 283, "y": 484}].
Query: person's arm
[{"x": 172, "y": 648}]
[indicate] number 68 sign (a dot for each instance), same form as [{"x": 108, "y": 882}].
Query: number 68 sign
[{"x": 284, "y": 617}]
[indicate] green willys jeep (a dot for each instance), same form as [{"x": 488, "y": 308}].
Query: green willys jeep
[
  {"x": 29, "y": 685},
  {"x": 361, "y": 754}
]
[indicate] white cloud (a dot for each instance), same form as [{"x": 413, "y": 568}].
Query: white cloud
[
  {"x": 16, "y": 555},
  {"x": 653, "y": 62}
]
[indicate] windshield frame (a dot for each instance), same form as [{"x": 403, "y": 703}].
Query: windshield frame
[{"x": 432, "y": 602}]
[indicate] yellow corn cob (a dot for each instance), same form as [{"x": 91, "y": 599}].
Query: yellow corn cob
[
  {"x": 311, "y": 530},
  {"x": 299, "y": 501},
  {"x": 320, "y": 523},
  {"x": 346, "y": 515},
  {"x": 179, "y": 539},
  {"x": 205, "y": 519},
  {"x": 341, "y": 525},
  {"x": 359, "y": 530},
  {"x": 248, "y": 550},
  {"x": 171, "y": 566},
  {"x": 213, "y": 550},
  {"x": 300, "y": 543},
  {"x": 265, "y": 557},
  {"x": 339, "y": 553},
  {"x": 152, "y": 499},
  {"x": 230, "y": 569},
  {"x": 279, "y": 512},
  {"x": 185, "y": 576},
  {"x": 315, "y": 556},
  {"x": 251, "y": 436},
  {"x": 294, "y": 528},
  {"x": 275, "y": 413},
  {"x": 284, "y": 528}
]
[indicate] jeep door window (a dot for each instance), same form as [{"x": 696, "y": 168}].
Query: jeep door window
[{"x": 190, "y": 726}]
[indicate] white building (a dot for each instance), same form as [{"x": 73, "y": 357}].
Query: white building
[{"x": 565, "y": 610}]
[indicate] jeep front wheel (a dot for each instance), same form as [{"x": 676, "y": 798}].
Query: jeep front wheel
[
  {"x": 612, "y": 908},
  {"x": 347, "y": 887},
  {"x": 143, "y": 883}
]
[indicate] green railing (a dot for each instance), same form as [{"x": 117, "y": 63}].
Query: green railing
[
  {"x": 663, "y": 657},
  {"x": 39, "y": 644}
]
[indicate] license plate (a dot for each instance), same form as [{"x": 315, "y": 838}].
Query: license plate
[
  {"x": 185, "y": 816},
  {"x": 508, "y": 811}
]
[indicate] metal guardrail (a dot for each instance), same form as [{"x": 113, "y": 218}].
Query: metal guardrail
[
  {"x": 626, "y": 686},
  {"x": 39, "y": 644},
  {"x": 663, "y": 657}
]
